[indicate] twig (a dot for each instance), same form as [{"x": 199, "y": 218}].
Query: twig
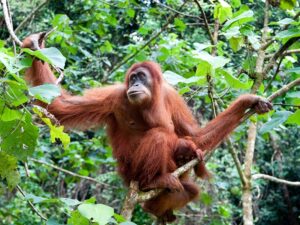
[
  {"x": 31, "y": 205},
  {"x": 277, "y": 54},
  {"x": 26, "y": 169},
  {"x": 12, "y": 26},
  {"x": 276, "y": 180},
  {"x": 8, "y": 25},
  {"x": 292, "y": 51},
  {"x": 70, "y": 172},
  {"x": 294, "y": 18},
  {"x": 291, "y": 105},
  {"x": 237, "y": 162},
  {"x": 205, "y": 22},
  {"x": 61, "y": 75},
  {"x": 30, "y": 15},
  {"x": 280, "y": 92},
  {"x": 275, "y": 74},
  {"x": 164, "y": 27},
  {"x": 176, "y": 11}
]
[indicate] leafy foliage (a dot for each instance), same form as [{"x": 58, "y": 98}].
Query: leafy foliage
[{"x": 90, "y": 39}]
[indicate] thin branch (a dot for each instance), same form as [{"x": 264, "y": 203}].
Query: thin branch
[
  {"x": 31, "y": 205},
  {"x": 237, "y": 162},
  {"x": 275, "y": 74},
  {"x": 276, "y": 180},
  {"x": 266, "y": 45},
  {"x": 205, "y": 22},
  {"x": 277, "y": 54},
  {"x": 294, "y": 18},
  {"x": 30, "y": 15},
  {"x": 176, "y": 11},
  {"x": 12, "y": 26},
  {"x": 292, "y": 51},
  {"x": 8, "y": 24},
  {"x": 163, "y": 28},
  {"x": 290, "y": 105},
  {"x": 280, "y": 92},
  {"x": 70, "y": 172}
]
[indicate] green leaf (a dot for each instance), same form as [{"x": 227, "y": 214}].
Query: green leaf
[
  {"x": 77, "y": 219},
  {"x": 294, "y": 118},
  {"x": 294, "y": 70},
  {"x": 180, "y": 25},
  {"x": 214, "y": 61},
  {"x": 14, "y": 64},
  {"x": 50, "y": 55},
  {"x": 19, "y": 137},
  {"x": 235, "y": 3},
  {"x": 70, "y": 202},
  {"x": 130, "y": 12},
  {"x": 128, "y": 223},
  {"x": 56, "y": 132},
  {"x": 224, "y": 211},
  {"x": 222, "y": 11},
  {"x": 208, "y": 63},
  {"x": 9, "y": 114},
  {"x": 285, "y": 21},
  {"x": 8, "y": 166},
  {"x": 173, "y": 78},
  {"x": 287, "y": 4},
  {"x": 233, "y": 81},
  {"x": 15, "y": 93},
  {"x": 277, "y": 119},
  {"x": 245, "y": 17},
  {"x": 35, "y": 199},
  {"x": 236, "y": 43},
  {"x": 119, "y": 218},
  {"x": 52, "y": 221},
  {"x": 96, "y": 212},
  {"x": 206, "y": 198},
  {"x": 13, "y": 179},
  {"x": 45, "y": 93},
  {"x": 287, "y": 34}
]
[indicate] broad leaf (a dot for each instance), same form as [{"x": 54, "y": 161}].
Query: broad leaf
[
  {"x": 50, "y": 55},
  {"x": 46, "y": 92},
  {"x": 294, "y": 118},
  {"x": 56, "y": 132},
  {"x": 19, "y": 137},
  {"x": 240, "y": 19},
  {"x": 70, "y": 202},
  {"x": 233, "y": 81},
  {"x": 277, "y": 119},
  {"x": 222, "y": 11},
  {"x": 287, "y": 34},
  {"x": 173, "y": 78},
  {"x": 98, "y": 213},
  {"x": 8, "y": 166},
  {"x": 287, "y": 4}
]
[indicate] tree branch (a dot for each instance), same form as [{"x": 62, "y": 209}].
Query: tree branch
[
  {"x": 8, "y": 24},
  {"x": 236, "y": 162},
  {"x": 276, "y": 180},
  {"x": 176, "y": 11},
  {"x": 30, "y": 15},
  {"x": 205, "y": 22},
  {"x": 31, "y": 205},
  {"x": 164, "y": 27},
  {"x": 277, "y": 54},
  {"x": 70, "y": 172}
]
